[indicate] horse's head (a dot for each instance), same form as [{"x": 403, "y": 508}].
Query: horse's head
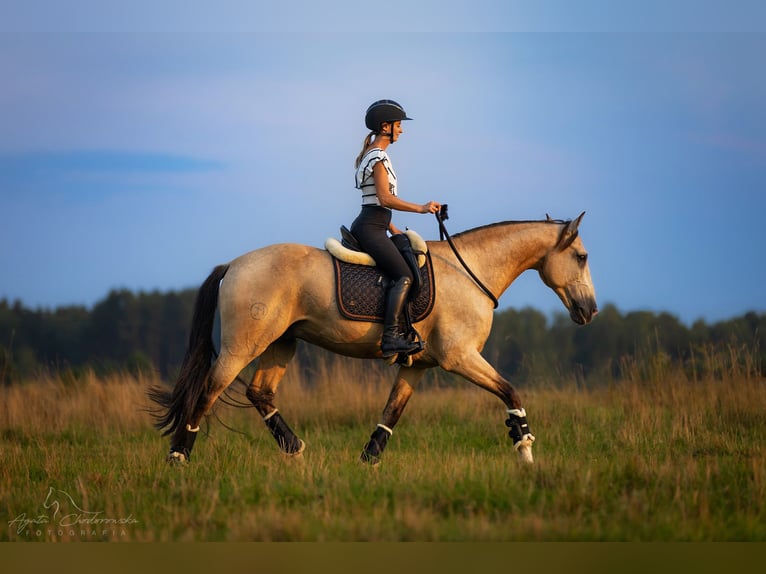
[{"x": 565, "y": 270}]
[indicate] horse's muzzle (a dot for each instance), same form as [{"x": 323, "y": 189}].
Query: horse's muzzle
[{"x": 582, "y": 312}]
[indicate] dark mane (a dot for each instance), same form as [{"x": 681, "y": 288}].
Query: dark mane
[{"x": 515, "y": 222}]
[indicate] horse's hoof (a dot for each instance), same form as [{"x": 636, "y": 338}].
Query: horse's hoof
[
  {"x": 369, "y": 459},
  {"x": 301, "y": 448},
  {"x": 298, "y": 453},
  {"x": 175, "y": 458},
  {"x": 524, "y": 448},
  {"x": 525, "y": 455}
]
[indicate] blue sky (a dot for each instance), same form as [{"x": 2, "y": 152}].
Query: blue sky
[{"x": 137, "y": 157}]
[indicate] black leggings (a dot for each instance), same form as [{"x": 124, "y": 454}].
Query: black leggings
[{"x": 370, "y": 229}]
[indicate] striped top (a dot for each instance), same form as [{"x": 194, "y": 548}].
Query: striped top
[{"x": 365, "y": 182}]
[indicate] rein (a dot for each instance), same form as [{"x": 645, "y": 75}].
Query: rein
[{"x": 441, "y": 217}]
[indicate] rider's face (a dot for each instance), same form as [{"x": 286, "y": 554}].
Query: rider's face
[{"x": 394, "y": 129}]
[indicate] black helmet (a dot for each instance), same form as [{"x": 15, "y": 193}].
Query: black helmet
[{"x": 383, "y": 111}]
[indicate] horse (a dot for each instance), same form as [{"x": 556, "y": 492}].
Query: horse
[{"x": 271, "y": 297}]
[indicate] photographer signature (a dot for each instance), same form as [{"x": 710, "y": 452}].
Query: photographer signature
[{"x": 72, "y": 515}]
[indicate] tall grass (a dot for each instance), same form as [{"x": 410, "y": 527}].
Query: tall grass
[{"x": 659, "y": 455}]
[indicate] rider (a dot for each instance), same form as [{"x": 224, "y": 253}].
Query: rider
[{"x": 376, "y": 179}]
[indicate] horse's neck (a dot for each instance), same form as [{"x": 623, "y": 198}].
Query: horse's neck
[{"x": 499, "y": 253}]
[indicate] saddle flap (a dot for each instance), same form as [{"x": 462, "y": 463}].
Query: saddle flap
[{"x": 360, "y": 292}]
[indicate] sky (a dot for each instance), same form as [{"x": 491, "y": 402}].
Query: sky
[{"x": 140, "y": 150}]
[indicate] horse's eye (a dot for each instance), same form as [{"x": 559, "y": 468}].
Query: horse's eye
[{"x": 582, "y": 257}]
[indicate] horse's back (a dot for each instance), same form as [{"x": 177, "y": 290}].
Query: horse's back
[
  {"x": 280, "y": 263},
  {"x": 282, "y": 273}
]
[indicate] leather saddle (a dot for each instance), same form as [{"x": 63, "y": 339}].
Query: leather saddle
[{"x": 361, "y": 286}]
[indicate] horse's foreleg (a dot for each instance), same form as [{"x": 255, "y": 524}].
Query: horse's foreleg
[
  {"x": 269, "y": 372},
  {"x": 476, "y": 369},
  {"x": 406, "y": 378}
]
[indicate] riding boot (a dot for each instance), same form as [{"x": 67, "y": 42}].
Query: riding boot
[{"x": 394, "y": 341}]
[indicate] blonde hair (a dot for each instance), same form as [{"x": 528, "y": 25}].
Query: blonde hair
[{"x": 365, "y": 145}]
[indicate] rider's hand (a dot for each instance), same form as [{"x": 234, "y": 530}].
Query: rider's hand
[{"x": 431, "y": 207}]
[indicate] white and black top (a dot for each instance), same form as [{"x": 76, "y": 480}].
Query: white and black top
[{"x": 365, "y": 181}]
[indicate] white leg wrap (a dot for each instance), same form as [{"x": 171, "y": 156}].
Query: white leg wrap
[
  {"x": 188, "y": 427},
  {"x": 271, "y": 414},
  {"x": 390, "y": 431},
  {"x": 517, "y": 412}
]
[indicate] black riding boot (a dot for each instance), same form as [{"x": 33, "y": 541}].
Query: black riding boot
[{"x": 394, "y": 341}]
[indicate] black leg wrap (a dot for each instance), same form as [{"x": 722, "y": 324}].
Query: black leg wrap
[
  {"x": 519, "y": 427},
  {"x": 286, "y": 439},
  {"x": 374, "y": 448}
]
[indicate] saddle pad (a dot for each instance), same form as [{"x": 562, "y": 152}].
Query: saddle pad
[{"x": 361, "y": 294}]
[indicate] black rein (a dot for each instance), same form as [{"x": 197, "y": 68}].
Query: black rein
[{"x": 441, "y": 217}]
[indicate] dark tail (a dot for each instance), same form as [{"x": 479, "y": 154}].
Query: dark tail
[{"x": 178, "y": 405}]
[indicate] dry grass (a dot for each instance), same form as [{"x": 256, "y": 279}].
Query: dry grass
[{"x": 658, "y": 457}]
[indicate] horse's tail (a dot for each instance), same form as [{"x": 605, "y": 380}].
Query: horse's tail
[{"x": 178, "y": 405}]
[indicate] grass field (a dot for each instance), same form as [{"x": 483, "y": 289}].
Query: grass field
[{"x": 655, "y": 458}]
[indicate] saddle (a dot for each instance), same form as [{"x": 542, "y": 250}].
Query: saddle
[{"x": 361, "y": 287}]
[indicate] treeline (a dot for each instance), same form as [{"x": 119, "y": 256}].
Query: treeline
[
  {"x": 147, "y": 332},
  {"x": 124, "y": 331},
  {"x": 636, "y": 345}
]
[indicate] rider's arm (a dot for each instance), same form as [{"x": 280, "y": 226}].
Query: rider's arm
[{"x": 389, "y": 200}]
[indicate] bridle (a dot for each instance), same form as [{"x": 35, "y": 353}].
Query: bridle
[{"x": 441, "y": 217}]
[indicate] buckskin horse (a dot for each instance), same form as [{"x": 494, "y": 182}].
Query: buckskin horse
[{"x": 271, "y": 297}]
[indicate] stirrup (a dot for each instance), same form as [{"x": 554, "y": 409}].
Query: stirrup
[
  {"x": 412, "y": 349},
  {"x": 405, "y": 357},
  {"x": 419, "y": 345}
]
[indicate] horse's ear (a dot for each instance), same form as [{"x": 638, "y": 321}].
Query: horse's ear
[
  {"x": 548, "y": 217},
  {"x": 570, "y": 233}
]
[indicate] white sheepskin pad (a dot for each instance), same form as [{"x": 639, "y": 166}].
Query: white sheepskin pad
[{"x": 336, "y": 249}]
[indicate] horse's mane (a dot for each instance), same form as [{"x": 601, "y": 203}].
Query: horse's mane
[{"x": 513, "y": 222}]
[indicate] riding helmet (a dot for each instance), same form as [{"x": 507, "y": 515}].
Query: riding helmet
[{"x": 383, "y": 111}]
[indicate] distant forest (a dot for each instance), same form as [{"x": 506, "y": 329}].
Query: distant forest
[{"x": 147, "y": 332}]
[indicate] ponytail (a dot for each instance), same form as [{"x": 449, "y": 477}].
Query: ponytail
[{"x": 365, "y": 145}]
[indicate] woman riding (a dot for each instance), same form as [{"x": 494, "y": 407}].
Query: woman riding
[{"x": 376, "y": 179}]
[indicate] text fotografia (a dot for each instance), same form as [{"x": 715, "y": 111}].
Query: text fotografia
[
  {"x": 69, "y": 520},
  {"x": 83, "y": 527}
]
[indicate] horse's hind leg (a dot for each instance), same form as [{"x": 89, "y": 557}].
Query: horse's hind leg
[
  {"x": 224, "y": 370},
  {"x": 269, "y": 372},
  {"x": 397, "y": 400}
]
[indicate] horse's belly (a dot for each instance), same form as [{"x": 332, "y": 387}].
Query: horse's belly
[{"x": 349, "y": 338}]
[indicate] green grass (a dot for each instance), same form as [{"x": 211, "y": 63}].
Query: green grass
[{"x": 664, "y": 460}]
